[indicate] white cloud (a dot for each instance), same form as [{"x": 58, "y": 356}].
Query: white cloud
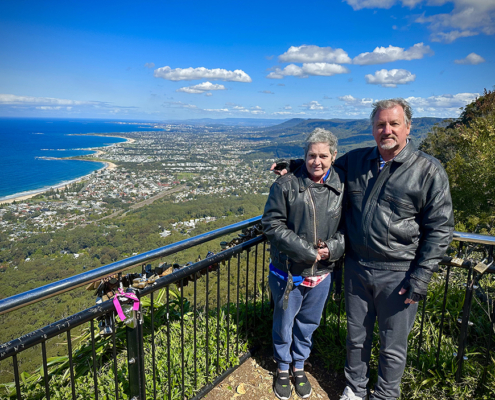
[
  {"x": 149, "y": 65},
  {"x": 391, "y": 53},
  {"x": 472, "y": 59},
  {"x": 219, "y": 110},
  {"x": 208, "y": 94},
  {"x": 356, "y": 102},
  {"x": 287, "y": 108},
  {"x": 313, "y": 105},
  {"x": 360, "y": 4},
  {"x": 288, "y": 113},
  {"x": 180, "y": 104},
  {"x": 315, "y": 54},
  {"x": 201, "y": 88},
  {"x": 443, "y": 101},
  {"x": 12, "y": 99},
  {"x": 187, "y": 74},
  {"x": 468, "y": 17},
  {"x": 390, "y": 78},
  {"x": 315, "y": 69},
  {"x": 266, "y": 92}
]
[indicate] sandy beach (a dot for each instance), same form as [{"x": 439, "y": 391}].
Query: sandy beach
[{"x": 62, "y": 185}]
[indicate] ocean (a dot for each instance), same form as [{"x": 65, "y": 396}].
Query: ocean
[{"x": 25, "y": 142}]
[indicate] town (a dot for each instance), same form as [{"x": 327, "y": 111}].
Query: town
[{"x": 179, "y": 162}]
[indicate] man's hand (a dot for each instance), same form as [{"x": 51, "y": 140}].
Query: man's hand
[
  {"x": 280, "y": 170},
  {"x": 415, "y": 289}
]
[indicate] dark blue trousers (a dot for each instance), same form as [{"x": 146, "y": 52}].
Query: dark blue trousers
[{"x": 293, "y": 328}]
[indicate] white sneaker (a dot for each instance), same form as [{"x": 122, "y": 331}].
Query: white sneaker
[{"x": 349, "y": 395}]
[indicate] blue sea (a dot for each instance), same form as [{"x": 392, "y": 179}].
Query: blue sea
[{"x": 24, "y": 144}]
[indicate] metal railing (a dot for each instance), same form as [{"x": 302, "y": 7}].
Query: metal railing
[{"x": 186, "y": 340}]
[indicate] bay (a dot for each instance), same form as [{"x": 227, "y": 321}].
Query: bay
[{"x": 26, "y": 142}]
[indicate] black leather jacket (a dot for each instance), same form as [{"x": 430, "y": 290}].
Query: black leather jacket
[
  {"x": 400, "y": 219},
  {"x": 297, "y": 213}
]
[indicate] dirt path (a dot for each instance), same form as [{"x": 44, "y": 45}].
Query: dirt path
[{"x": 253, "y": 380}]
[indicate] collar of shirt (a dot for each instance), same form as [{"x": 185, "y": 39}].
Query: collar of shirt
[{"x": 383, "y": 162}]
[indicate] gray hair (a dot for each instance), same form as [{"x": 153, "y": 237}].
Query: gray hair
[
  {"x": 320, "y": 135},
  {"x": 391, "y": 103}
]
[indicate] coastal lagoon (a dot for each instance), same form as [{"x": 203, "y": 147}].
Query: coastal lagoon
[{"x": 31, "y": 150}]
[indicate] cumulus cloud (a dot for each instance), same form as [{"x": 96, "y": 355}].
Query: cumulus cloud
[
  {"x": 356, "y": 102},
  {"x": 313, "y": 105},
  {"x": 467, "y": 18},
  {"x": 201, "y": 88},
  {"x": 149, "y": 65},
  {"x": 391, "y": 53},
  {"x": 443, "y": 101},
  {"x": 471, "y": 59},
  {"x": 188, "y": 74},
  {"x": 287, "y": 108},
  {"x": 266, "y": 92},
  {"x": 390, "y": 78},
  {"x": 314, "y": 69},
  {"x": 315, "y": 54}
]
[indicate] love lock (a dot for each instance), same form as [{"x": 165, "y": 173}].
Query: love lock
[{"x": 457, "y": 262}]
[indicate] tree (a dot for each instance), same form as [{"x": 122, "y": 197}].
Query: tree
[{"x": 466, "y": 149}]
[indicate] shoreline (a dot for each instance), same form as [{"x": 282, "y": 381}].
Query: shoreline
[{"x": 21, "y": 196}]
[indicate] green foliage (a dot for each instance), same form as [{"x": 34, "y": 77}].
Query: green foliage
[{"x": 465, "y": 147}]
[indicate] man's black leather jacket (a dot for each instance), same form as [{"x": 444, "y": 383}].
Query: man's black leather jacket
[
  {"x": 297, "y": 213},
  {"x": 400, "y": 218}
]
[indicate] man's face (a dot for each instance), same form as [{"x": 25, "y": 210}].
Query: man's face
[{"x": 390, "y": 131}]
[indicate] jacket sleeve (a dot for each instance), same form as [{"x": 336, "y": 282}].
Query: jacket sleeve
[
  {"x": 274, "y": 222},
  {"x": 436, "y": 226},
  {"x": 336, "y": 246}
]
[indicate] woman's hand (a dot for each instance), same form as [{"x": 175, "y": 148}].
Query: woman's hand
[{"x": 324, "y": 253}]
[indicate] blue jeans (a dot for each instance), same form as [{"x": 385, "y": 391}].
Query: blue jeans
[{"x": 293, "y": 328}]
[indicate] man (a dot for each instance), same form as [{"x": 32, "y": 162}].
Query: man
[{"x": 399, "y": 222}]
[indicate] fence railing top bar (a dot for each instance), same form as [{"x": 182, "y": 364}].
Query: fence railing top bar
[
  {"x": 53, "y": 289},
  {"x": 474, "y": 238}
]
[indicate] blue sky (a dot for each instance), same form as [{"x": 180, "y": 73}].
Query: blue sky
[{"x": 172, "y": 60}]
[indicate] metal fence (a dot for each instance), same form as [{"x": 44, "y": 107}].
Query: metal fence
[{"x": 197, "y": 324}]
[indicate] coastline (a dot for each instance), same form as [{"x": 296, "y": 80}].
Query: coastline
[{"x": 61, "y": 185}]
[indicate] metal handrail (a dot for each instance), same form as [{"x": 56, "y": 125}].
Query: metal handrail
[
  {"x": 53, "y": 289},
  {"x": 474, "y": 237}
]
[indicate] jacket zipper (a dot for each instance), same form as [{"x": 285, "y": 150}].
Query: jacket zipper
[
  {"x": 313, "y": 271},
  {"x": 372, "y": 202}
]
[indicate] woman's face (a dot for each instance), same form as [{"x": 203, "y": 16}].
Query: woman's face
[{"x": 319, "y": 160}]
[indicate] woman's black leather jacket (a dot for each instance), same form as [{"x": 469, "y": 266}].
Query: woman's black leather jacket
[{"x": 297, "y": 214}]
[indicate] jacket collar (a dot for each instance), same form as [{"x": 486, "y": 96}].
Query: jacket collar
[
  {"x": 305, "y": 181},
  {"x": 402, "y": 157}
]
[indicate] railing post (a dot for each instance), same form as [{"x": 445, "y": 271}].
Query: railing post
[
  {"x": 135, "y": 358},
  {"x": 465, "y": 323}
]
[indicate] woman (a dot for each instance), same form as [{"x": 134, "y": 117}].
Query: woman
[{"x": 301, "y": 220}]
